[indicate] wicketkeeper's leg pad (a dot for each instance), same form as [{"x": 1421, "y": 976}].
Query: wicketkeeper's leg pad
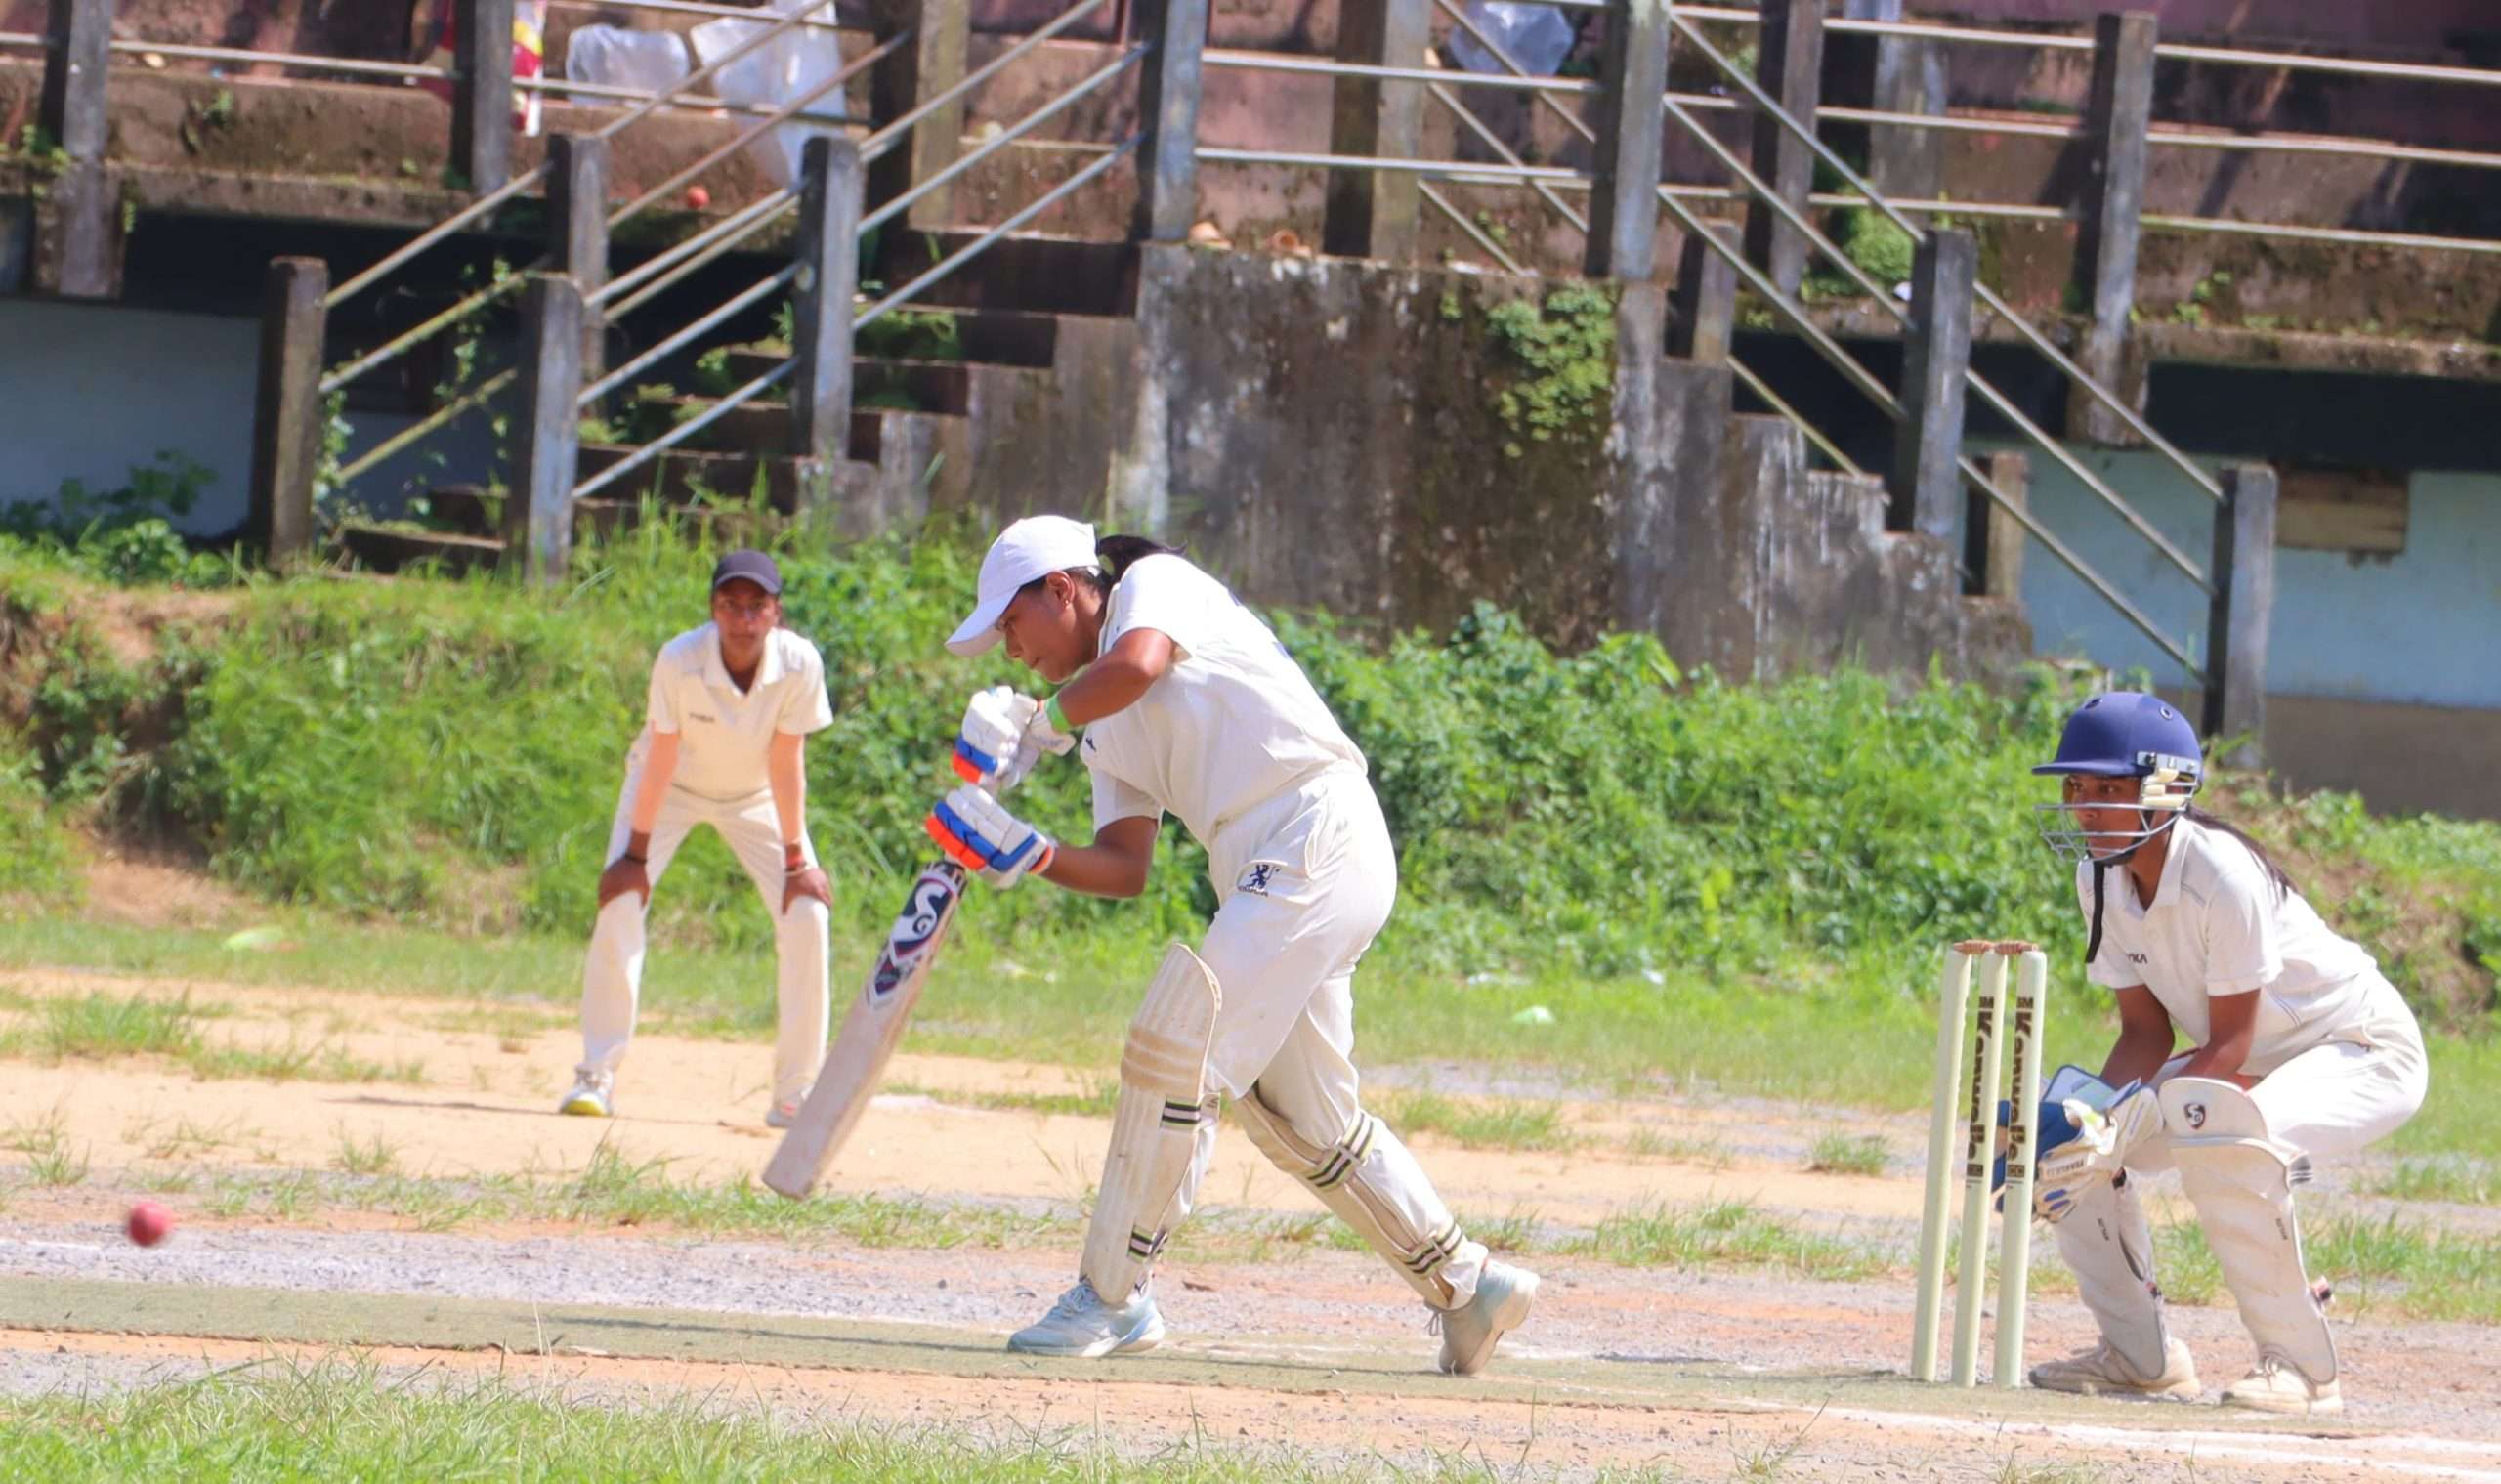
[
  {"x": 1163, "y": 1129},
  {"x": 1371, "y": 1182},
  {"x": 2105, "y": 1241},
  {"x": 2241, "y": 1181}
]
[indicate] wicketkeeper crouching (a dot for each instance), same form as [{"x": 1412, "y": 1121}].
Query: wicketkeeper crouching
[
  {"x": 2299, "y": 1050},
  {"x": 1187, "y": 703}
]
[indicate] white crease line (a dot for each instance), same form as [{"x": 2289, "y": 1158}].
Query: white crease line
[{"x": 2205, "y": 1445}]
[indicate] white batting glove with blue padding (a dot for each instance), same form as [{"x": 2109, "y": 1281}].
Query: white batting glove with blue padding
[
  {"x": 979, "y": 833},
  {"x": 990, "y": 747}
]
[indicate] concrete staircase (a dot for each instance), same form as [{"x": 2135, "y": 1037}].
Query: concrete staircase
[{"x": 936, "y": 383}]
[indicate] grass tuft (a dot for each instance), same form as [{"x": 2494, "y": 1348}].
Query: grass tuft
[
  {"x": 1724, "y": 1232},
  {"x": 1846, "y": 1154}
]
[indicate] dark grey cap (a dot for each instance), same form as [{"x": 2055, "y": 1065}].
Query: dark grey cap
[{"x": 752, "y": 566}]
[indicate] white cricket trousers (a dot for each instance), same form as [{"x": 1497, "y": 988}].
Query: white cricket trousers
[
  {"x": 613, "y": 975},
  {"x": 1305, "y": 883}
]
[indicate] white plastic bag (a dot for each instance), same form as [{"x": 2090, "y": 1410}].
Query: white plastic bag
[
  {"x": 1536, "y": 36},
  {"x": 783, "y": 69},
  {"x": 645, "y": 62}
]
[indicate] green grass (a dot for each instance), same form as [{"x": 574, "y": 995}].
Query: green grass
[
  {"x": 1498, "y": 1123},
  {"x": 1725, "y": 1233},
  {"x": 344, "y": 1419},
  {"x": 1846, "y": 1154},
  {"x": 1651, "y": 1144},
  {"x": 2465, "y": 1182},
  {"x": 97, "y": 1025}
]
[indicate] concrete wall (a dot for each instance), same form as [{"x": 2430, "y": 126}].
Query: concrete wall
[
  {"x": 114, "y": 385},
  {"x": 1331, "y": 432}
]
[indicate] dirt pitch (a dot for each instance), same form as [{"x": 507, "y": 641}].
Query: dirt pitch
[{"x": 1707, "y": 1373}]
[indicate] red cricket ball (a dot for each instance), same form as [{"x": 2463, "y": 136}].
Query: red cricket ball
[
  {"x": 697, "y": 197},
  {"x": 151, "y": 1223}
]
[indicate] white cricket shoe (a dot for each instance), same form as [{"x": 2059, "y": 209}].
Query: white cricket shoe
[
  {"x": 1083, "y": 1325},
  {"x": 783, "y": 1115},
  {"x": 2104, "y": 1372},
  {"x": 2278, "y": 1385},
  {"x": 1470, "y": 1332},
  {"x": 592, "y": 1094}
]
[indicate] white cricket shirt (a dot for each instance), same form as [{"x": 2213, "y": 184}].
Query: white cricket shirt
[
  {"x": 724, "y": 731},
  {"x": 2219, "y": 926},
  {"x": 1231, "y": 725}
]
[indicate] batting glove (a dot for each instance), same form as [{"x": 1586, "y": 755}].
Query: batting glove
[
  {"x": 989, "y": 746},
  {"x": 982, "y": 837}
]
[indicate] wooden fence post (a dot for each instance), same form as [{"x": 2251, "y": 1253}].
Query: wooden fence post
[
  {"x": 827, "y": 250},
  {"x": 2117, "y": 116},
  {"x": 482, "y": 95},
  {"x": 1168, "y": 110},
  {"x": 1705, "y": 322},
  {"x": 1375, "y": 213},
  {"x": 1936, "y": 352},
  {"x": 1624, "y": 198},
  {"x": 2238, "y": 621},
  {"x": 538, "y": 514},
  {"x": 1992, "y": 539},
  {"x": 924, "y": 66},
  {"x": 78, "y": 254},
  {"x": 577, "y": 230},
  {"x": 288, "y": 415},
  {"x": 1789, "y": 67}
]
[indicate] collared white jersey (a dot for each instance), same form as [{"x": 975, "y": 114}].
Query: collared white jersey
[
  {"x": 2218, "y": 926},
  {"x": 1231, "y": 725},
  {"x": 724, "y": 731}
]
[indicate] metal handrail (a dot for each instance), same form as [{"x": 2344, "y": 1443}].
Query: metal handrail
[
  {"x": 1981, "y": 292},
  {"x": 774, "y": 377},
  {"x": 692, "y": 103},
  {"x": 1736, "y": 367},
  {"x": 980, "y": 244},
  {"x": 1319, "y": 66},
  {"x": 1962, "y": 123},
  {"x": 2356, "y": 148},
  {"x": 1946, "y": 206},
  {"x": 1475, "y": 233},
  {"x": 2351, "y": 235},
  {"x": 2046, "y": 40},
  {"x": 688, "y": 7},
  {"x": 334, "y": 379},
  {"x": 715, "y": 250},
  {"x": 1451, "y": 170},
  {"x": 474, "y": 397},
  {"x": 190, "y": 53},
  {"x": 518, "y": 184},
  {"x": 756, "y": 131},
  {"x": 32, "y": 39},
  {"x": 886, "y": 136},
  {"x": 2413, "y": 71},
  {"x": 746, "y": 297},
  {"x": 727, "y": 404},
  {"x": 737, "y": 226},
  {"x": 903, "y": 201}
]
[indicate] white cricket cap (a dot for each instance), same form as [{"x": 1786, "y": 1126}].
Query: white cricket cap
[{"x": 1033, "y": 547}]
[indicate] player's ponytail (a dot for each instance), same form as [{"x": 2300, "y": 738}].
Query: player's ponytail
[
  {"x": 2266, "y": 862},
  {"x": 1117, "y": 554}
]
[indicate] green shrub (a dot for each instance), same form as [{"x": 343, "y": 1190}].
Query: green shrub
[{"x": 1880, "y": 249}]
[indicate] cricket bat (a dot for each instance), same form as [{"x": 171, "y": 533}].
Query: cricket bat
[{"x": 868, "y": 1033}]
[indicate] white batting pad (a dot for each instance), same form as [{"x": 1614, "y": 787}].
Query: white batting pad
[
  {"x": 1163, "y": 1129},
  {"x": 2107, "y": 1244},
  {"x": 2241, "y": 1181},
  {"x": 1372, "y": 1184}
]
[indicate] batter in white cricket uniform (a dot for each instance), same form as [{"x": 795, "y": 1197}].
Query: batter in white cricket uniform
[
  {"x": 729, "y": 708},
  {"x": 1188, "y": 705},
  {"x": 2300, "y": 1051}
]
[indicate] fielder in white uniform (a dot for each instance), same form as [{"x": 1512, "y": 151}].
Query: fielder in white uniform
[
  {"x": 1188, "y": 703},
  {"x": 730, "y": 709},
  {"x": 2299, "y": 1052}
]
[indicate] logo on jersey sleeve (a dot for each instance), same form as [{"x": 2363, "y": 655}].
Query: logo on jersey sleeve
[{"x": 1259, "y": 876}]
